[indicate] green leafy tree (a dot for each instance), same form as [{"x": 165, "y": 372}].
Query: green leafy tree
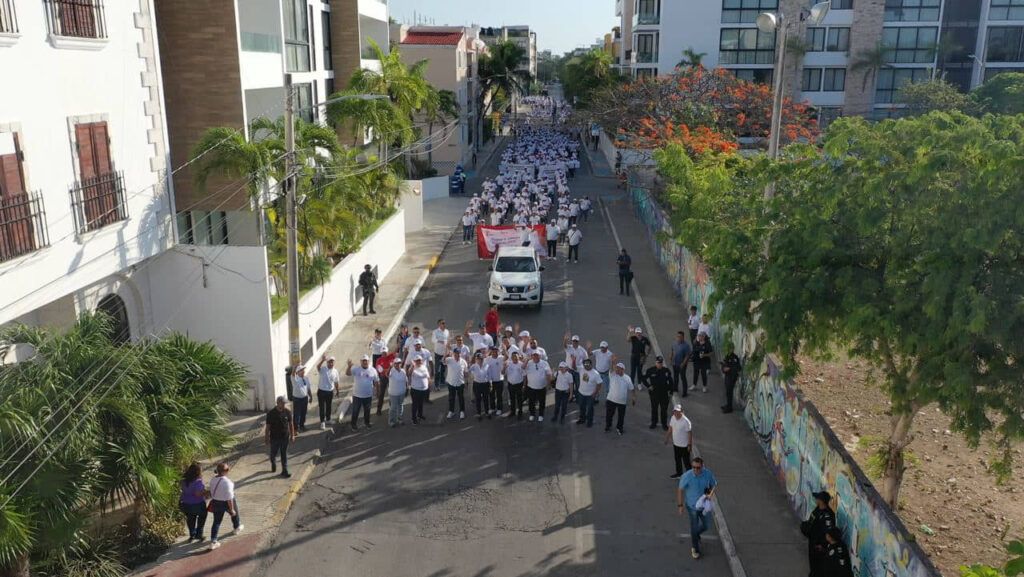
[
  {"x": 692, "y": 59},
  {"x": 499, "y": 73},
  {"x": 1001, "y": 94},
  {"x": 1012, "y": 568},
  {"x": 933, "y": 95},
  {"x": 587, "y": 74},
  {"x": 897, "y": 241}
]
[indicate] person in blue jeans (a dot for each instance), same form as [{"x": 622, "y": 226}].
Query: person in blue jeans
[
  {"x": 590, "y": 388},
  {"x": 692, "y": 486},
  {"x": 222, "y": 500},
  {"x": 563, "y": 392},
  {"x": 365, "y": 383}
]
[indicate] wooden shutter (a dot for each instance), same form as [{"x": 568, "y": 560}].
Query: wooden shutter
[
  {"x": 77, "y": 18},
  {"x": 99, "y": 198},
  {"x": 16, "y": 232}
]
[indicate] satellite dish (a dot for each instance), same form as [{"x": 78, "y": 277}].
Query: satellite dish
[
  {"x": 767, "y": 22},
  {"x": 818, "y": 12}
]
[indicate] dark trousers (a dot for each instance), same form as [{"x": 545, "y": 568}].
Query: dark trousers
[
  {"x": 561, "y": 405},
  {"x": 537, "y": 401},
  {"x": 459, "y": 392},
  {"x": 679, "y": 377},
  {"x": 574, "y": 252},
  {"x": 382, "y": 394},
  {"x": 553, "y": 248},
  {"x": 682, "y": 457},
  {"x": 299, "y": 408},
  {"x": 195, "y": 518},
  {"x": 467, "y": 233},
  {"x": 730, "y": 386},
  {"x": 700, "y": 370},
  {"x": 624, "y": 283},
  {"x": 586, "y": 409},
  {"x": 482, "y": 397},
  {"x": 324, "y": 399},
  {"x": 515, "y": 399},
  {"x": 636, "y": 368},
  {"x": 218, "y": 508},
  {"x": 368, "y": 297},
  {"x": 612, "y": 409},
  {"x": 279, "y": 447},
  {"x": 498, "y": 395},
  {"x": 693, "y": 336},
  {"x": 440, "y": 371},
  {"x": 418, "y": 397},
  {"x": 659, "y": 408},
  {"x": 361, "y": 404}
]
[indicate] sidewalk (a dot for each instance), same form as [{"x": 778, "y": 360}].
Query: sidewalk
[
  {"x": 761, "y": 522},
  {"x": 263, "y": 497},
  {"x": 599, "y": 166}
]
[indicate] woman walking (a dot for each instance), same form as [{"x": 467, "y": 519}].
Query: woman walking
[
  {"x": 222, "y": 500},
  {"x": 398, "y": 384},
  {"x": 193, "y": 501},
  {"x": 419, "y": 384}
]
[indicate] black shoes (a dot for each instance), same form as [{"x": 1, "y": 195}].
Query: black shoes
[
  {"x": 675, "y": 475},
  {"x": 273, "y": 467},
  {"x": 653, "y": 426},
  {"x": 726, "y": 409},
  {"x": 286, "y": 475}
]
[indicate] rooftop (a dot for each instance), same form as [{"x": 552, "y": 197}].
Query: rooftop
[{"x": 434, "y": 38}]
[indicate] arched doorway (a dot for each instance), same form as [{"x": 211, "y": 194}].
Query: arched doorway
[{"x": 113, "y": 305}]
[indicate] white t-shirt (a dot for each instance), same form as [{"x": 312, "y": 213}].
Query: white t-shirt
[
  {"x": 589, "y": 380},
  {"x": 420, "y": 378},
  {"x": 704, "y": 328},
  {"x": 515, "y": 372},
  {"x": 681, "y": 428},
  {"x": 441, "y": 341},
  {"x": 481, "y": 340},
  {"x": 563, "y": 381},
  {"x": 602, "y": 360},
  {"x": 479, "y": 372},
  {"x": 463, "y": 350},
  {"x": 329, "y": 378},
  {"x": 410, "y": 343},
  {"x": 456, "y": 375},
  {"x": 693, "y": 322},
  {"x": 574, "y": 357},
  {"x": 537, "y": 374},
  {"x": 398, "y": 382},
  {"x": 494, "y": 367},
  {"x": 222, "y": 489},
  {"x": 575, "y": 235},
  {"x": 378, "y": 347},
  {"x": 363, "y": 380},
  {"x": 420, "y": 354},
  {"x": 618, "y": 388},
  {"x": 539, "y": 350},
  {"x": 552, "y": 232},
  {"x": 300, "y": 387}
]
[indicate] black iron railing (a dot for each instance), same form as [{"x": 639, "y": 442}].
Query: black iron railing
[
  {"x": 76, "y": 18},
  {"x": 8, "y": 17},
  {"x": 98, "y": 202},
  {"x": 22, "y": 225}
]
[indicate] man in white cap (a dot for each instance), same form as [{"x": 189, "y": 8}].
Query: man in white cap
[
  {"x": 639, "y": 347},
  {"x": 620, "y": 387},
  {"x": 330, "y": 382},
  {"x": 301, "y": 390},
  {"x": 602, "y": 363},
  {"x": 365, "y": 383},
  {"x": 440, "y": 336},
  {"x": 575, "y": 354},
  {"x": 538, "y": 377},
  {"x": 456, "y": 370},
  {"x": 680, "y": 433},
  {"x": 563, "y": 392},
  {"x": 515, "y": 374},
  {"x": 495, "y": 364},
  {"x": 467, "y": 227},
  {"x": 573, "y": 238},
  {"x": 590, "y": 388}
]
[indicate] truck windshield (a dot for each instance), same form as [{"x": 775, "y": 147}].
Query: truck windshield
[{"x": 515, "y": 264}]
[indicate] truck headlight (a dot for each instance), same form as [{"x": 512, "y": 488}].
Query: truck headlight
[
  {"x": 496, "y": 286},
  {"x": 531, "y": 288}
]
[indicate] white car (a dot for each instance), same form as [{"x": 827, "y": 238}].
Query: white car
[{"x": 515, "y": 277}]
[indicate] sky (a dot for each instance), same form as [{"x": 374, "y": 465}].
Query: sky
[{"x": 561, "y": 25}]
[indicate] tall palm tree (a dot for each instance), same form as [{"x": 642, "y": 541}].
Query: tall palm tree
[
  {"x": 869, "y": 62},
  {"x": 499, "y": 72},
  {"x": 440, "y": 107}
]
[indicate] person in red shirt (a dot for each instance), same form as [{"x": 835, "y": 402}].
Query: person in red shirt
[{"x": 492, "y": 322}]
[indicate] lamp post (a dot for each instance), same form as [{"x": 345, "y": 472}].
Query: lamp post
[{"x": 769, "y": 22}]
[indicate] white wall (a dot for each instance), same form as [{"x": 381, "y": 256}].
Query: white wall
[
  {"x": 412, "y": 205},
  {"x": 337, "y": 299},
  {"x": 436, "y": 187},
  {"x": 694, "y": 25},
  {"x": 48, "y": 89}
]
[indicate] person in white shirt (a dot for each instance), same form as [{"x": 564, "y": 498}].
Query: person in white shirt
[
  {"x": 574, "y": 212},
  {"x": 398, "y": 384},
  {"x": 602, "y": 363},
  {"x": 534, "y": 347},
  {"x": 619, "y": 388},
  {"x": 441, "y": 337},
  {"x": 680, "y": 432},
  {"x": 419, "y": 385},
  {"x": 590, "y": 388},
  {"x": 480, "y": 339},
  {"x": 563, "y": 392},
  {"x": 455, "y": 375},
  {"x": 365, "y": 382},
  {"x": 585, "y": 208},
  {"x": 378, "y": 347},
  {"x": 515, "y": 374},
  {"x": 481, "y": 386},
  {"x": 301, "y": 390},
  {"x": 538, "y": 377},
  {"x": 693, "y": 322},
  {"x": 330, "y": 383},
  {"x": 705, "y": 326},
  {"x": 573, "y": 238},
  {"x": 222, "y": 500},
  {"x": 563, "y": 227},
  {"x": 575, "y": 354},
  {"x": 495, "y": 364},
  {"x": 418, "y": 352},
  {"x": 467, "y": 227},
  {"x": 410, "y": 342},
  {"x": 551, "y": 233}
]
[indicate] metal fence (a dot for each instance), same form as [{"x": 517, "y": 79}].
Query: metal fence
[
  {"x": 22, "y": 225},
  {"x": 98, "y": 202},
  {"x": 8, "y": 17},
  {"x": 77, "y": 18}
]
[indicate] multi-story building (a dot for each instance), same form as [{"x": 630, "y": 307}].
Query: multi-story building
[
  {"x": 624, "y": 57},
  {"x": 453, "y": 53},
  {"x": 837, "y": 65},
  {"x": 522, "y": 36},
  {"x": 84, "y": 204}
]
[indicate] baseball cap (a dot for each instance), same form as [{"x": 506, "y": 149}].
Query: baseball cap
[
  {"x": 508, "y": 329},
  {"x": 604, "y": 344},
  {"x": 299, "y": 367},
  {"x": 562, "y": 365},
  {"x": 365, "y": 357},
  {"x": 524, "y": 333},
  {"x": 331, "y": 359},
  {"x": 677, "y": 408},
  {"x": 620, "y": 365},
  {"x": 638, "y": 330},
  {"x": 575, "y": 337},
  {"x": 659, "y": 359}
]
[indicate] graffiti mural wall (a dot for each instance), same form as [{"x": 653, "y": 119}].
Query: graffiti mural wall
[{"x": 799, "y": 446}]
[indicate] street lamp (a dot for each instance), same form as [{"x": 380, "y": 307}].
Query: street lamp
[{"x": 769, "y": 22}]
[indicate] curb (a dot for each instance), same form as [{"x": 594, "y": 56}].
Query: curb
[{"x": 284, "y": 505}]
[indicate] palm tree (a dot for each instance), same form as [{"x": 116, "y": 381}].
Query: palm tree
[
  {"x": 870, "y": 61},
  {"x": 499, "y": 72},
  {"x": 440, "y": 106},
  {"x": 692, "y": 59},
  {"x": 588, "y": 73}
]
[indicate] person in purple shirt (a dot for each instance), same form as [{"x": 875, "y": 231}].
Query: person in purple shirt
[
  {"x": 193, "y": 501},
  {"x": 695, "y": 483}
]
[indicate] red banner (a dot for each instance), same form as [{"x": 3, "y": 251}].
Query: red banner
[{"x": 489, "y": 238}]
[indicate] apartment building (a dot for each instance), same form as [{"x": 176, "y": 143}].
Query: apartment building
[
  {"x": 624, "y": 55},
  {"x": 522, "y": 36},
  {"x": 84, "y": 204},
  {"x": 453, "y": 53},
  {"x": 963, "y": 41}
]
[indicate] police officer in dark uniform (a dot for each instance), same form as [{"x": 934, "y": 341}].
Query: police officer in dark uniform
[
  {"x": 658, "y": 380},
  {"x": 837, "y": 556},
  {"x": 731, "y": 368},
  {"x": 368, "y": 282},
  {"x": 822, "y": 519}
]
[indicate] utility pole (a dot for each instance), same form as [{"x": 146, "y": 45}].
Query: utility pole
[{"x": 291, "y": 224}]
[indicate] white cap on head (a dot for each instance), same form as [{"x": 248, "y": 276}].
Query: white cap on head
[
  {"x": 524, "y": 333},
  {"x": 638, "y": 330},
  {"x": 620, "y": 365},
  {"x": 604, "y": 344},
  {"x": 677, "y": 408},
  {"x": 508, "y": 329},
  {"x": 562, "y": 365},
  {"x": 575, "y": 337},
  {"x": 513, "y": 349},
  {"x": 329, "y": 359},
  {"x": 299, "y": 367},
  {"x": 365, "y": 358}
]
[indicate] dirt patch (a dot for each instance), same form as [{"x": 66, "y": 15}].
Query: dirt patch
[{"x": 947, "y": 487}]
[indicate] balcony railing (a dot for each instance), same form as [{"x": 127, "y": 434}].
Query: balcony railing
[
  {"x": 76, "y": 18},
  {"x": 647, "y": 57},
  {"x": 98, "y": 202},
  {"x": 22, "y": 225},
  {"x": 8, "y": 17},
  {"x": 645, "y": 18}
]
